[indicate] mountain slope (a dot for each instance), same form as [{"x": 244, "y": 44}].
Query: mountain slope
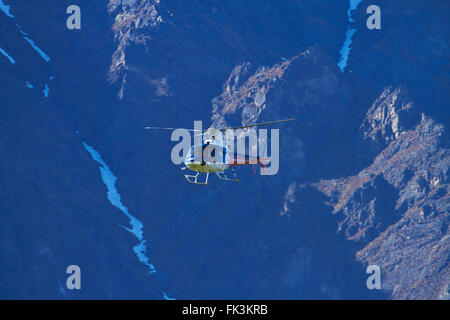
[{"x": 363, "y": 173}]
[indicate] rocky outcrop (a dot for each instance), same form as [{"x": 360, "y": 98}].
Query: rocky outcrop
[
  {"x": 405, "y": 188},
  {"x": 397, "y": 209},
  {"x": 130, "y": 16},
  {"x": 302, "y": 87},
  {"x": 391, "y": 114}
]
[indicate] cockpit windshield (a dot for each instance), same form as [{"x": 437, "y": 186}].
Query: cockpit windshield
[{"x": 206, "y": 153}]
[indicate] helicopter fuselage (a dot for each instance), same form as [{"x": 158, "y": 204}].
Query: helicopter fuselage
[
  {"x": 199, "y": 158},
  {"x": 206, "y": 167},
  {"x": 218, "y": 160}
]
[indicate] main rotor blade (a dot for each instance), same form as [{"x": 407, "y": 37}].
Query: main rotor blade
[
  {"x": 223, "y": 129},
  {"x": 161, "y": 128},
  {"x": 258, "y": 124}
]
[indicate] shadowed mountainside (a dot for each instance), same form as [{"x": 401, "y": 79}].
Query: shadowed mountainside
[{"x": 363, "y": 173}]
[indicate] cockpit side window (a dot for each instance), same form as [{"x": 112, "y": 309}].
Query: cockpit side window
[{"x": 207, "y": 153}]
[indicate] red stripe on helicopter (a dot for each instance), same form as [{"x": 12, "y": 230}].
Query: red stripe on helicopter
[{"x": 245, "y": 160}]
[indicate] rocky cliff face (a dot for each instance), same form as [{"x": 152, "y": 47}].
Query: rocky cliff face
[
  {"x": 397, "y": 209},
  {"x": 363, "y": 173},
  {"x": 380, "y": 210}
]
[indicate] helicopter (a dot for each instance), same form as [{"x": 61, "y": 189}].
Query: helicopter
[{"x": 214, "y": 156}]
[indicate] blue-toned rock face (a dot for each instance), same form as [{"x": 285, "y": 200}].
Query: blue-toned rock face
[{"x": 363, "y": 175}]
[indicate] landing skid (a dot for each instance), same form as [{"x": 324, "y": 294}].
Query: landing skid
[
  {"x": 191, "y": 178},
  {"x": 223, "y": 176}
]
